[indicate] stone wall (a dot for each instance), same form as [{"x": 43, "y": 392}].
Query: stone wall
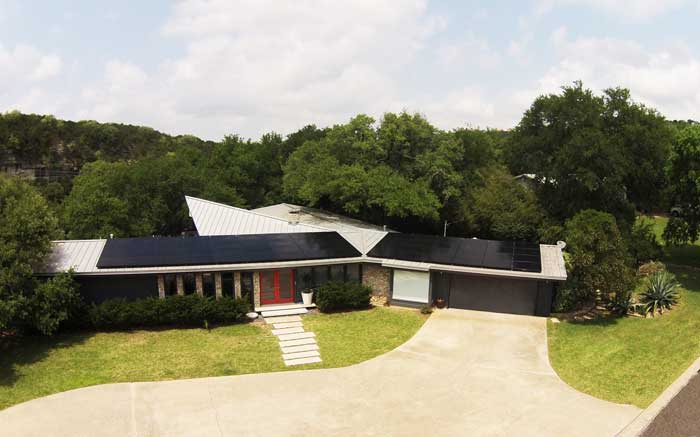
[{"x": 378, "y": 278}]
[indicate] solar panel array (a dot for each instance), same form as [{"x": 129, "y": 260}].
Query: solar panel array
[
  {"x": 489, "y": 254},
  {"x": 234, "y": 249}
]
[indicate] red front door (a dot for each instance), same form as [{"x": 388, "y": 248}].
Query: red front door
[{"x": 276, "y": 286}]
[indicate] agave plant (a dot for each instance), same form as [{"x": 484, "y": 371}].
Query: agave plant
[{"x": 661, "y": 292}]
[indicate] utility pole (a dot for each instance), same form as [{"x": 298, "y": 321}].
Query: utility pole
[{"x": 444, "y": 231}]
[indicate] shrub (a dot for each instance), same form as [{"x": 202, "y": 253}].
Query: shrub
[
  {"x": 661, "y": 292},
  {"x": 643, "y": 244},
  {"x": 598, "y": 259},
  {"x": 677, "y": 232},
  {"x": 54, "y": 301},
  {"x": 336, "y": 296},
  {"x": 426, "y": 309},
  {"x": 190, "y": 310},
  {"x": 650, "y": 268}
]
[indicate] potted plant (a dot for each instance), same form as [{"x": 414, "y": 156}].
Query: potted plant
[
  {"x": 440, "y": 302},
  {"x": 307, "y": 296}
]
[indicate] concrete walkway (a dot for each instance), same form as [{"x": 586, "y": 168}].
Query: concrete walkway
[{"x": 464, "y": 373}]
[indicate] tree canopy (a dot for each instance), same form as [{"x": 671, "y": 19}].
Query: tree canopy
[
  {"x": 602, "y": 152},
  {"x": 684, "y": 175}
]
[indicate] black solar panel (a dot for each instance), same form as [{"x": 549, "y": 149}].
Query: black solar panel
[
  {"x": 490, "y": 254},
  {"x": 234, "y": 249}
]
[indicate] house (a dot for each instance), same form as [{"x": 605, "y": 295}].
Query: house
[{"x": 271, "y": 254}]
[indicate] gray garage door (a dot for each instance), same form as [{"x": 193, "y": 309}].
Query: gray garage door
[{"x": 500, "y": 295}]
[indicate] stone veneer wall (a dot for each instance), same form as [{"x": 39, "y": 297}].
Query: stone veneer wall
[
  {"x": 256, "y": 289},
  {"x": 378, "y": 278}
]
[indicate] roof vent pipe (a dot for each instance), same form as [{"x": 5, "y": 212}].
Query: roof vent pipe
[
  {"x": 561, "y": 244},
  {"x": 384, "y": 227},
  {"x": 111, "y": 236}
]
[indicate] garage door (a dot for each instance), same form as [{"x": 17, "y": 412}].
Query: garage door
[{"x": 493, "y": 294}]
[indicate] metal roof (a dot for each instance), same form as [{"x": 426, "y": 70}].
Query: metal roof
[
  {"x": 364, "y": 236},
  {"x": 82, "y": 256},
  {"x": 211, "y": 218},
  {"x": 79, "y": 255}
]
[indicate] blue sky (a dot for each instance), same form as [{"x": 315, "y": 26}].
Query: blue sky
[{"x": 212, "y": 68}]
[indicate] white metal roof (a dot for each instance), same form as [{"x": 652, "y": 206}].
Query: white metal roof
[
  {"x": 211, "y": 218},
  {"x": 364, "y": 236},
  {"x": 79, "y": 255}
]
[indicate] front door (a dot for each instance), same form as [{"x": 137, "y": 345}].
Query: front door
[{"x": 276, "y": 286}]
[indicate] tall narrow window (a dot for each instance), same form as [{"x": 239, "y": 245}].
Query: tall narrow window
[
  {"x": 247, "y": 284},
  {"x": 227, "y": 284},
  {"x": 189, "y": 283},
  {"x": 170, "y": 285},
  {"x": 208, "y": 284}
]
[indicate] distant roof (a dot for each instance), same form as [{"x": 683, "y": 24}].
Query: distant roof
[
  {"x": 466, "y": 252},
  {"x": 223, "y": 249}
]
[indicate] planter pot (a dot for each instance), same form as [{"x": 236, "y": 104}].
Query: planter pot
[
  {"x": 440, "y": 303},
  {"x": 307, "y": 298}
]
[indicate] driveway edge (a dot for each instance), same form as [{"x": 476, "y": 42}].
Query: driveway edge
[{"x": 638, "y": 425}]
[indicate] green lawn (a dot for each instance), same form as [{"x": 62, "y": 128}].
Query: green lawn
[
  {"x": 687, "y": 255},
  {"x": 38, "y": 366},
  {"x": 630, "y": 359}
]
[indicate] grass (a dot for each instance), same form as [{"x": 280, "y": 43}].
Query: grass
[
  {"x": 32, "y": 367},
  {"x": 687, "y": 255},
  {"x": 630, "y": 359}
]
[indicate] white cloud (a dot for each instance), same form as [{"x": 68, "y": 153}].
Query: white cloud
[
  {"x": 470, "y": 50},
  {"x": 635, "y": 9},
  {"x": 252, "y": 66},
  {"x": 26, "y": 63},
  {"x": 667, "y": 79}
]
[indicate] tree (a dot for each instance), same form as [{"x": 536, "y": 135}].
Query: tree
[
  {"x": 600, "y": 152},
  {"x": 598, "y": 258},
  {"x": 141, "y": 198},
  {"x": 400, "y": 171},
  {"x": 28, "y": 226},
  {"x": 684, "y": 176},
  {"x": 505, "y": 210}
]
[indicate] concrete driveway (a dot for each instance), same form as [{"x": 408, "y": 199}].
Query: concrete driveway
[{"x": 464, "y": 373}]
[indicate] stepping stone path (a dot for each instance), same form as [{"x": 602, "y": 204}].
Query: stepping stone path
[{"x": 298, "y": 346}]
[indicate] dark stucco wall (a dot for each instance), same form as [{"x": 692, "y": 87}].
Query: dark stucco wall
[{"x": 100, "y": 288}]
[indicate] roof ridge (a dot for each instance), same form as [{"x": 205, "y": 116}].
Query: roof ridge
[{"x": 252, "y": 212}]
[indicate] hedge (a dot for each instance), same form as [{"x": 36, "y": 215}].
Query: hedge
[
  {"x": 335, "y": 296},
  {"x": 189, "y": 310}
]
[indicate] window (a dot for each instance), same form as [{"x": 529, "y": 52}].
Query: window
[
  {"x": 247, "y": 284},
  {"x": 227, "y": 287},
  {"x": 352, "y": 273},
  {"x": 305, "y": 278},
  {"x": 320, "y": 276},
  {"x": 338, "y": 273},
  {"x": 170, "y": 285},
  {"x": 189, "y": 282},
  {"x": 411, "y": 286},
  {"x": 208, "y": 284}
]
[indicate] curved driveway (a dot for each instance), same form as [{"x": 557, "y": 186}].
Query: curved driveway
[{"x": 463, "y": 373}]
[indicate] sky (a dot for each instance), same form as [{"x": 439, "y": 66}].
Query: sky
[{"x": 212, "y": 68}]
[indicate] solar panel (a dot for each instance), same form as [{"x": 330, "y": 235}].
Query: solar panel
[
  {"x": 229, "y": 249},
  {"x": 490, "y": 254}
]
